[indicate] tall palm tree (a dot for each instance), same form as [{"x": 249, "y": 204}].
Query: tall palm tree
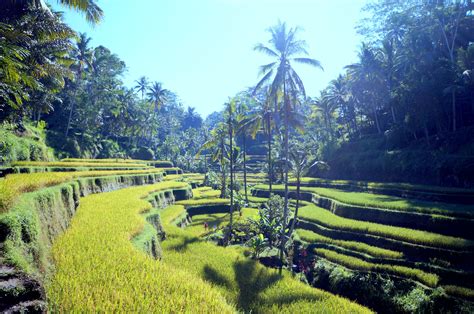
[
  {"x": 388, "y": 55},
  {"x": 337, "y": 95},
  {"x": 142, "y": 85},
  {"x": 157, "y": 95},
  {"x": 244, "y": 132},
  {"x": 327, "y": 105},
  {"x": 262, "y": 119},
  {"x": 284, "y": 47},
  {"x": 230, "y": 125},
  {"x": 366, "y": 73},
  {"x": 216, "y": 144},
  {"x": 83, "y": 58}
]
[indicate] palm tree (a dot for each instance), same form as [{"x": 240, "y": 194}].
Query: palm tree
[
  {"x": 217, "y": 145},
  {"x": 83, "y": 57},
  {"x": 300, "y": 166},
  {"x": 284, "y": 48},
  {"x": 142, "y": 85},
  {"x": 367, "y": 73},
  {"x": 89, "y": 8},
  {"x": 327, "y": 105},
  {"x": 244, "y": 131},
  {"x": 157, "y": 95},
  {"x": 337, "y": 95},
  {"x": 262, "y": 119},
  {"x": 230, "y": 126},
  {"x": 387, "y": 54}
]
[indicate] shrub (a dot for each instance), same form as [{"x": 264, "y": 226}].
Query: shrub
[{"x": 144, "y": 153}]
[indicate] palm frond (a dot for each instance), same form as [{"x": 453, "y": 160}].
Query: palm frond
[
  {"x": 266, "y": 50},
  {"x": 264, "y": 80},
  {"x": 309, "y": 61}
]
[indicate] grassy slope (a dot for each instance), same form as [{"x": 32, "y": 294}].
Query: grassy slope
[
  {"x": 310, "y": 236},
  {"x": 359, "y": 264},
  {"x": 99, "y": 269},
  {"x": 77, "y": 164},
  {"x": 319, "y": 215},
  {"x": 15, "y": 184},
  {"x": 385, "y": 185},
  {"x": 381, "y": 201}
]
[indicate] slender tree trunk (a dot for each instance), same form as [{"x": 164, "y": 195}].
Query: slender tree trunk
[
  {"x": 427, "y": 135},
  {"x": 453, "y": 99},
  {"x": 223, "y": 183},
  {"x": 379, "y": 131},
  {"x": 270, "y": 165},
  {"x": 69, "y": 119},
  {"x": 298, "y": 185},
  {"x": 394, "y": 119},
  {"x": 245, "y": 168},
  {"x": 231, "y": 174},
  {"x": 286, "y": 140}
]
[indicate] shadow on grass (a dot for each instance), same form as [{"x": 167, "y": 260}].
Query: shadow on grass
[
  {"x": 251, "y": 281},
  {"x": 184, "y": 243}
]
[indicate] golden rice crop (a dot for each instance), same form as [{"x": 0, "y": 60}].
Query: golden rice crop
[
  {"x": 205, "y": 192},
  {"x": 326, "y": 218},
  {"x": 381, "y": 201},
  {"x": 310, "y": 236},
  {"x": 15, "y": 184},
  {"x": 78, "y": 164},
  {"x": 98, "y": 269}
]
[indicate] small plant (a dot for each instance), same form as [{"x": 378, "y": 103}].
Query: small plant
[
  {"x": 257, "y": 244},
  {"x": 269, "y": 221}
]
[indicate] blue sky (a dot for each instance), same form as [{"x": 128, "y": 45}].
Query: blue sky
[{"x": 203, "y": 49}]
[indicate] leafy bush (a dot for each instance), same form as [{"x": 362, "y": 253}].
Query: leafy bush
[
  {"x": 28, "y": 145},
  {"x": 143, "y": 153}
]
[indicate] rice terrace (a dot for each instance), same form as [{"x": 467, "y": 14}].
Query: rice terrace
[{"x": 237, "y": 156}]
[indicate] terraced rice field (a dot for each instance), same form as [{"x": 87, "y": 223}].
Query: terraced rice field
[
  {"x": 364, "y": 231},
  {"x": 193, "y": 273},
  {"x": 112, "y": 257}
]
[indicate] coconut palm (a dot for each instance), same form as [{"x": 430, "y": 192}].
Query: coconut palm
[
  {"x": 262, "y": 119},
  {"x": 157, "y": 95},
  {"x": 284, "y": 47},
  {"x": 367, "y": 72},
  {"x": 83, "y": 58},
  {"x": 142, "y": 85},
  {"x": 89, "y": 8}
]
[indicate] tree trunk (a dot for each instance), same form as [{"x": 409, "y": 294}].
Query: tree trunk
[
  {"x": 394, "y": 119},
  {"x": 453, "y": 99},
  {"x": 379, "y": 131},
  {"x": 298, "y": 185},
  {"x": 223, "y": 183},
  {"x": 270, "y": 165},
  {"x": 231, "y": 175},
  {"x": 285, "y": 209},
  {"x": 69, "y": 119},
  {"x": 245, "y": 168},
  {"x": 427, "y": 135}
]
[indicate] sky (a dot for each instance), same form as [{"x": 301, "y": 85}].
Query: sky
[{"x": 203, "y": 49}]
